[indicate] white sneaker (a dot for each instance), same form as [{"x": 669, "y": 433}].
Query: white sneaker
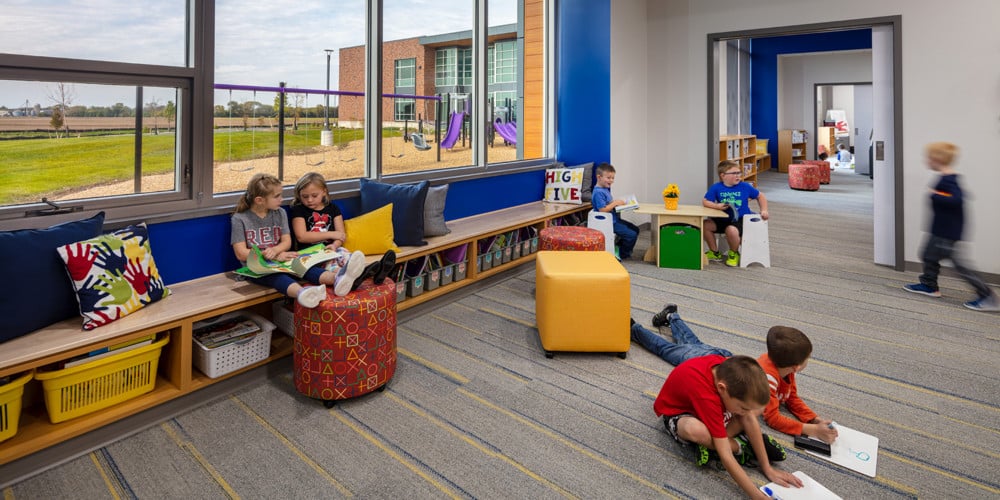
[
  {"x": 348, "y": 273},
  {"x": 311, "y": 296}
]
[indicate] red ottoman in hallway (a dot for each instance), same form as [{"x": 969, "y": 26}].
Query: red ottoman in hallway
[
  {"x": 804, "y": 177},
  {"x": 570, "y": 238},
  {"x": 346, "y": 346},
  {"x": 824, "y": 169}
]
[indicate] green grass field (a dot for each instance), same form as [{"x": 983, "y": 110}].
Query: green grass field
[{"x": 33, "y": 168}]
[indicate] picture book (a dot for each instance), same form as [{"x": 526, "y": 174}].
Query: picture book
[
  {"x": 810, "y": 490},
  {"x": 631, "y": 203},
  {"x": 110, "y": 350},
  {"x": 258, "y": 266}
]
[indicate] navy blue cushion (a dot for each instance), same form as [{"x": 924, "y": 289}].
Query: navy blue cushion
[
  {"x": 407, "y": 208},
  {"x": 37, "y": 291}
]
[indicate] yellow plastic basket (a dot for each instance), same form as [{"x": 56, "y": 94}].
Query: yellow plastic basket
[
  {"x": 79, "y": 390},
  {"x": 10, "y": 405}
]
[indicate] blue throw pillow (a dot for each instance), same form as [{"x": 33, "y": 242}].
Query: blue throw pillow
[
  {"x": 407, "y": 208},
  {"x": 38, "y": 292}
]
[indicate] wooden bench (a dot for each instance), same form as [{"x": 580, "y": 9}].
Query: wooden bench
[{"x": 206, "y": 297}]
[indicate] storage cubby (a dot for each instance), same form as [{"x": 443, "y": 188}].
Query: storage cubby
[
  {"x": 791, "y": 147},
  {"x": 743, "y": 150}
]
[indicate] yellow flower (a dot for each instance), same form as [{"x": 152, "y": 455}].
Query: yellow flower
[{"x": 671, "y": 191}]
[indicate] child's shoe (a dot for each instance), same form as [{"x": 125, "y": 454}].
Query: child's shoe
[
  {"x": 745, "y": 456},
  {"x": 713, "y": 255},
  {"x": 702, "y": 455},
  {"x": 662, "y": 318},
  {"x": 734, "y": 259},
  {"x": 775, "y": 452},
  {"x": 348, "y": 273},
  {"x": 922, "y": 289},
  {"x": 386, "y": 263},
  {"x": 986, "y": 304},
  {"x": 310, "y": 296}
]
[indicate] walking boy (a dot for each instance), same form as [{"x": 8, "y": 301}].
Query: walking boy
[
  {"x": 946, "y": 230},
  {"x": 732, "y": 196},
  {"x": 788, "y": 351},
  {"x": 711, "y": 403},
  {"x": 625, "y": 232}
]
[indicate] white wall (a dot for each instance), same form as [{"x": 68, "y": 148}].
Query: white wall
[
  {"x": 629, "y": 116},
  {"x": 950, "y": 83},
  {"x": 799, "y": 73}
]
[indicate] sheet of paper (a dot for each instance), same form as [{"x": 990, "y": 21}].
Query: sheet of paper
[
  {"x": 810, "y": 490},
  {"x": 853, "y": 449}
]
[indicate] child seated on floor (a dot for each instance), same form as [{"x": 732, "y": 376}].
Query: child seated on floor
[
  {"x": 788, "y": 351},
  {"x": 711, "y": 403}
]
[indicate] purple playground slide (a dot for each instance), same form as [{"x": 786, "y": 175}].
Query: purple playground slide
[
  {"x": 506, "y": 130},
  {"x": 454, "y": 128}
]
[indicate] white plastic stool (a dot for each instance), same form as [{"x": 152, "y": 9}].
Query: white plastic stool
[
  {"x": 754, "y": 246},
  {"x": 605, "y": 224}
]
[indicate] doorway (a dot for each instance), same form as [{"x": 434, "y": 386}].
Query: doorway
[
  {"x": 843, "y": 115},
  {"x": 886, "y": 43}
]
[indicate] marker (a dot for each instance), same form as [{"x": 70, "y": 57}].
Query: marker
[
  {"x": 831, "y": 425},
  {"x": 767, "y": 491}
]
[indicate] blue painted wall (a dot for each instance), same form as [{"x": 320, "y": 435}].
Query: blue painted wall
[
  {"x": 764, "y": 54},
  {"x": 199, "y": 247}
]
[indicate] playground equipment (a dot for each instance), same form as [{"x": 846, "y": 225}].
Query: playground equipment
[
  {"x": 506, "y": 130},
  {"x": 454, "y": 130},
  {"x": 419, "y": 142}
]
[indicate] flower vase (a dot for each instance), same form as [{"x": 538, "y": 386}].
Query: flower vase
[{"x": 670, "y": 203}]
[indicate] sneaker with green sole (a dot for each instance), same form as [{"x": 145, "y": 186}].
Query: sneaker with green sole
[
  {"x": 702, "y": 455},
  {"x": 775, "y": 452},
  {"x": 733, "y": 259},
  {"x": 711, "y": 255}
]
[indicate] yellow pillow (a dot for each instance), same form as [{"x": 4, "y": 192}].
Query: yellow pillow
[{"x": 371, "y": 233}]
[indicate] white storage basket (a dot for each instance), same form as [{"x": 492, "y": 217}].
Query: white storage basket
[
  {"x": 230, "y": 357},
  {"x": 284, "y": 318}
]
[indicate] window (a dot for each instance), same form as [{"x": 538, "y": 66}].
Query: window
[
  {"x": 405, "y": 74},
  {"x": 446, "y": 67},
  {"x": 135, "y": 123}
]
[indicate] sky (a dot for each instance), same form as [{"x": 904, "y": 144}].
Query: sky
[{"x": 258, "y": 42}]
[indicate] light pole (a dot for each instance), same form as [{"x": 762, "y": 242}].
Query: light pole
[{"x": 326, "y": 107}]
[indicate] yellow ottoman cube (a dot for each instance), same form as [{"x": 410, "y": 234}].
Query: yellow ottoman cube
[{"x": 582, "y": 302}]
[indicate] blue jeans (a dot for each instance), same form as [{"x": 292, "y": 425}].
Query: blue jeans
[
  {"x": 627, "y": 234},
  {"x": 938, "y": 249},
  {"x": 687, "y": 344},
  {"x": 281, "y": 281}
]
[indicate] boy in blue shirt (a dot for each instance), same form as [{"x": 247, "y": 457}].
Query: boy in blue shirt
[
  {"x": 946, "y": 230},
  {"x": 625, "y": 232},
  {"x": 731, "y": 195}
]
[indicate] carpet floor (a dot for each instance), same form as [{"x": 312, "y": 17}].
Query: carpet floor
[{"x": 475, "y": 410}]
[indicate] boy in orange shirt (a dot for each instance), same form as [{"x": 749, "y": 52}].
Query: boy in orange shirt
[{"x": 788, "y": 351}]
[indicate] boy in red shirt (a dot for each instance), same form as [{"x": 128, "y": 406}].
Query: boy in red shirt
[
  {"x": 788, "y": 351},
  {"x": 712, "y": 403}
]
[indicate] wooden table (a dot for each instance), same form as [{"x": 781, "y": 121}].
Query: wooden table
[{"x": 688, "y": 214}]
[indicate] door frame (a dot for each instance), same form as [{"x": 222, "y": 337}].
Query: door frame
[{"x": 895, "y": 23}]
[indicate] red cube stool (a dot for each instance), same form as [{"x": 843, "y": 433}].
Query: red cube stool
[
  {"x": 804, "y": 177},
  {"x": 346, "y": 346},
  {"x": 824, "y": 169},
  {"x": 570, "y": 238}
]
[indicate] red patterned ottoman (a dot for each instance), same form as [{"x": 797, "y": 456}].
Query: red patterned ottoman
[
  {"x": 824, "y": 169},
  {"x": 802, "y": 176},
  {"x": 346, "y": 346},
  {"x": 570, "y": 238}
]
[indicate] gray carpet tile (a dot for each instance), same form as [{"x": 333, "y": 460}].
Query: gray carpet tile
[{"x": 475, "y": 410}]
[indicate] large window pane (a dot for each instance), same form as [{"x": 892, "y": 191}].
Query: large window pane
[
  {"x": 441, "y": 46},
  {"x": 72, "y": 141},
  {"x": 114, "y": 30},
  {"x": 323, "y": 133},
  {"x": 516, "y": 66}
]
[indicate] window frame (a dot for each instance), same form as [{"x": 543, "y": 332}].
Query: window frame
[{"x": 195, "y": 82}]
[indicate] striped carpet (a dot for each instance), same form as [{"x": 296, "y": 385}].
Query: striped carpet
[{"x": 476, "y": 411}]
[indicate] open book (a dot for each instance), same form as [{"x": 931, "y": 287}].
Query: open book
[
  {"x": 631, "y": 203},
  {"x": 258, "y": 266}
]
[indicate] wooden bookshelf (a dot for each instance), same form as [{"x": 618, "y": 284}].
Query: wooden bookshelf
[
  {"x": 743, "y": 149},
  {"x": 791, "y": 147}
]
